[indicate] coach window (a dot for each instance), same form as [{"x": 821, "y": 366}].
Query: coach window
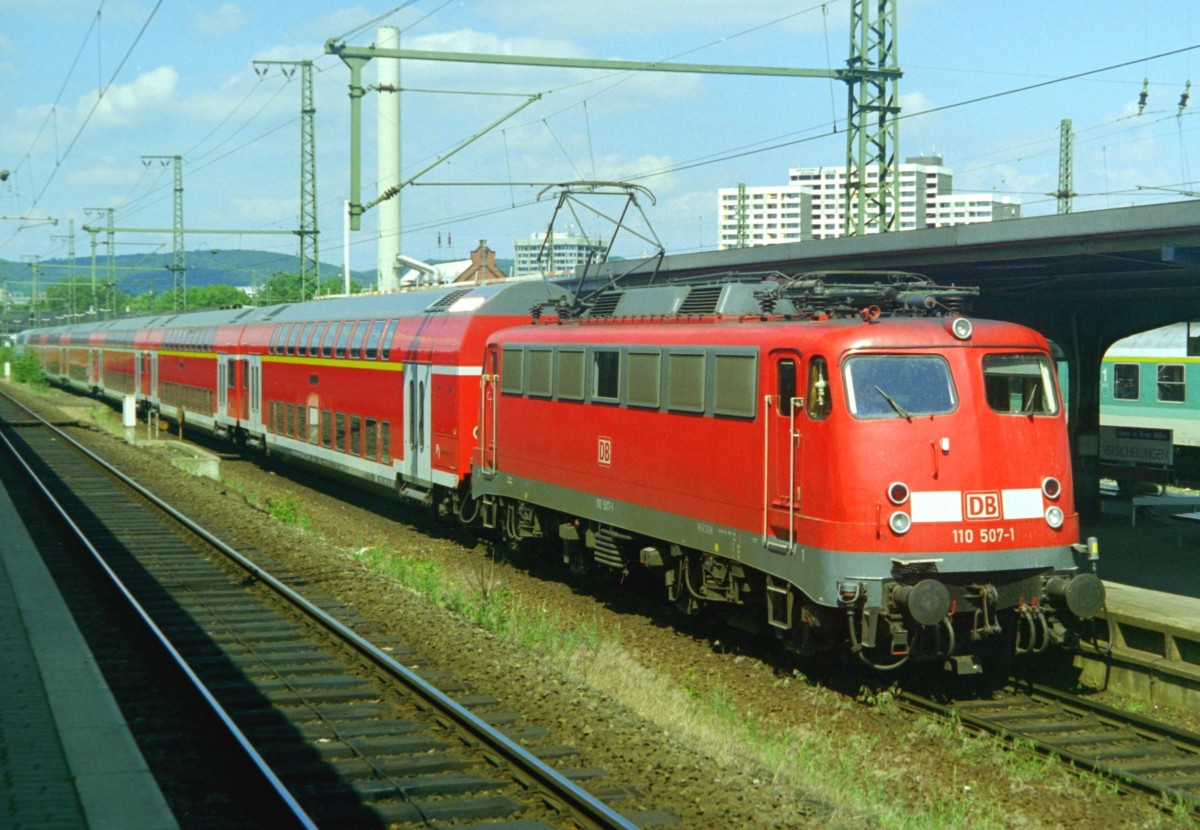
[
  {"x": 386, "y": 353},
  {"x": 1171, "y": 387},
  {"x": 820, "y": 402},
  {"x": 343, "y": 339},
  {"x": 606, "y": 375},
  {"x": 1019, "y": 384},
  {"x": 356, "y": 435},
  {"x": 372, "y": 350},
  {"x": 301, "y": 422},
  {"x": 305, "y": 335},
  {"x": 293, "y": 339},
  {"x": 1127, "y": 381},
  {"x": 339, "y": 432},
  {"x": 685, "y": 382},
  {"x": 291, "y": 420},
  {"x": 385, "y": 442},
  {"x": 326, "y": 427},
  {"x": 314, "y": 344},
  {"x": 327, "y": 343},
  {"x": 360, "y": 334},
  {"x": 371, "y": 437}
]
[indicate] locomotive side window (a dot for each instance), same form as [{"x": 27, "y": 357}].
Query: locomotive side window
[
  {"x": 734, "y": 385},
  {"x": 820, "y": 403},
  {"x": 685, "y": 382},
  {"x": 570, "y": 374},
  {"x": 606, "y": 375},
  {"x": 899, "y": 386},
  {"x": 512, "y": 370},
  {"x": 785, "y": 385},
  {"x": 541, "y": 372},
  {"x": 1171, "y": 388},
  {"x": 1019, "y": 384},
  {"x": 645, "y": 374},
  {"x": 1127, "y": 381}
]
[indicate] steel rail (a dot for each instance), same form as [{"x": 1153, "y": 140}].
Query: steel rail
[
  {"x": 557, "y": 791},
  {"x": 259, "y": 763},
  {"x": 1072, "y": 709}
]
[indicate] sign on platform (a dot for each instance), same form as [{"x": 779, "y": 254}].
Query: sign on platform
[{"x": 1137, "y": 445}]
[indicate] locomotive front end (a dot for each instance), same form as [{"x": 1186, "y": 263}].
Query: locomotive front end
[{"x": 952, "y": 510}]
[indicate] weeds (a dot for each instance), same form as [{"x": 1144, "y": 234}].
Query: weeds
[{"x": 286, "y": 509}]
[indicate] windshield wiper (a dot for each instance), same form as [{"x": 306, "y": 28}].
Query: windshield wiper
[{"x": 901, "y": 411}]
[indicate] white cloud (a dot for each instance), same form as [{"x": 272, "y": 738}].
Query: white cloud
[
  {"x": 149, "y": 96},
  {"x": 107, "y": 174},
  {"x": 220, "y": 22}
]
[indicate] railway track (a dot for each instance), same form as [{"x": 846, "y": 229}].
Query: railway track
[
  {"x": 1137, "y": 752},
  {"x": 337, "y": 729}
]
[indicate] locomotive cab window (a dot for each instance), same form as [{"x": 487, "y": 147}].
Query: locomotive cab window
[
  {"x": 899, "y": 386},
  {"x": 1171, "y": 388},
  {"x": 1020, "y": 384},
  {"x": 1126, "y": 381}
]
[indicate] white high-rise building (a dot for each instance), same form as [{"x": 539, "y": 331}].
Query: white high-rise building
[
  {"x": 926, "y": 200},
  {"x": 564, "y": 253}
]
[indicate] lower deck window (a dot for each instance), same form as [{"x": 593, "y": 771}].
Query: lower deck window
[{"x": 1171, "y": 387}]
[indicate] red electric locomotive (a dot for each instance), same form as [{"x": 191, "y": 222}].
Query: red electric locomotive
[{"x": 896, "y": 485}]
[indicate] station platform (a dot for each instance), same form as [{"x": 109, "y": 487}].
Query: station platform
[
  {"x": 67, "y": 758},
  {"x": 1151, "y": 570}
]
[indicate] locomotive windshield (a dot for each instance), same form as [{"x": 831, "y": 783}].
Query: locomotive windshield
[
  {"x": 1021, "y": 384},
  {"x": 899, "y": 386}
]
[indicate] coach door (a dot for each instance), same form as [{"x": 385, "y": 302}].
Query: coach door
[
  {"x": 783, "y": 406},
  {"x": 488, "y": 391},
  {"x": 418, "y": 464},
  {"x": 254, "y": 390},
  {"x": 224, "y": 381}
]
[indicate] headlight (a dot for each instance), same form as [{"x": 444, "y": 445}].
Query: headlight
[
  {"x": 1051, "y": 488},
  {"x": 899, "y": 522},
  {"x": 1054, "y": 517},
  {"x": 897, "y": 492},
  {"x": 961, "y": 328}
]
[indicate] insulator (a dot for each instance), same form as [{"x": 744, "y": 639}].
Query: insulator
[{"x": 536, "y": 311}]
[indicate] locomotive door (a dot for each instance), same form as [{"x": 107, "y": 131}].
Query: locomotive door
[
  {"x": 783, "y": 406},
  {"x": 418, "y": 462}
]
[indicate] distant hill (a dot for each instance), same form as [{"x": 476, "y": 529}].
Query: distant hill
[{"x": 139, "y": 273}]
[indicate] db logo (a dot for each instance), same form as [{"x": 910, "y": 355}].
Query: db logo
[
  {"x": 604, "y": 452},
  {"x": 983, "y": 505}
]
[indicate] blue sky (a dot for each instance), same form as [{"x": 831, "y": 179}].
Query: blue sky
[{"x": 178, "y": 80}]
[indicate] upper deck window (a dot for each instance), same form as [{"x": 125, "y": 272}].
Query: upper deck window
[
  {"x": 1020, "y": 384},
  {"x": 899, "y": 386}
]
